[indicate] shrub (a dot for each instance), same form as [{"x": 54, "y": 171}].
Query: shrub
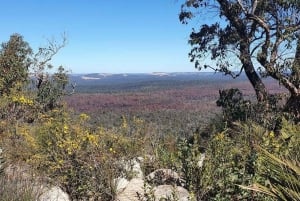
[
  {"x": 235, "y": 108},
  {"x": 282, "y": 177},
  {"x": 83, "y": 160}
]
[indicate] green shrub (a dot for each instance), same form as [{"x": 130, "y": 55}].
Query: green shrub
[{"x": 282, "y": 177}]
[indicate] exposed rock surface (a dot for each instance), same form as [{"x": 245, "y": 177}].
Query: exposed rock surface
[
  {"x": 133, "y": 188},
  {"x": 121, "y": 184},
  {"x": 54, "y": 194},
  {"x": 164, "y": 176},
  {"x": 165, "y": 183},
  {"x": 133, "y": 166},
  {"x": 172, "y": 192}
]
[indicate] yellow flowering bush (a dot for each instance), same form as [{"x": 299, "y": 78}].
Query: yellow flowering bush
[
  {"x": 81, "y": 158},
  {"x": 22, "y": 100}
]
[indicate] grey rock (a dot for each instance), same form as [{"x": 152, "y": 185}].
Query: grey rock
[
  {"x": 133, "y": 166},
  {"x": 172, "y": 192},
  {"x": 164, "y": 176},
  {"x": 121, "y": 184},
  {"x": 54, "y": 194},
  {"x": 133, "y": 188}
]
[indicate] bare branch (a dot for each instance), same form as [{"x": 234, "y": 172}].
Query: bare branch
[
  {"x": 241, "y": 5},
  {"x": 226, "y": 72},
  {"x": 49, "y": 52},
  {"x": 254, "y": 5}
]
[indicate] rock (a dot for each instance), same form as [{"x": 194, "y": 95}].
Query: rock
[
  {"x": 133, "y": 167},
  {"x": 133, "y": 188},
  {"x": 121, "y": 184},
  {"x": 136, "y": 168},
  {"x": 54, "y": 194},
  {"x": 172, "y": 192},
  {"x": 164, "y": 176}
]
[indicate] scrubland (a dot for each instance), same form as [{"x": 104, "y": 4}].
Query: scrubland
[{"x": 78, "y": 144}]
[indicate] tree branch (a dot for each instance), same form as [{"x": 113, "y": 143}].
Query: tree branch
[{"x": 254, "y": 5}]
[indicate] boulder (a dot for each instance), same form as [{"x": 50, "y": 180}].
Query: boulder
[
  {"x": 164, "y": 192},
  {"x": 133, "y": 167},
  {"x": 54, "y": 194},
  {"x": 133, "y": 188},
  {"x": 164, "y": 177},
  {"x": 121, "y": 184}
]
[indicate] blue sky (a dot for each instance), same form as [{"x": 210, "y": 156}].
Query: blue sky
[{"x": 107, "y": 36}]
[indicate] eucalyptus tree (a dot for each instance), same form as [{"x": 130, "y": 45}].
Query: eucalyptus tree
[
  {"x": 19, "y": 65},
  {"x": 15, "y": 61},
  {"x": 260, "y": 38}
]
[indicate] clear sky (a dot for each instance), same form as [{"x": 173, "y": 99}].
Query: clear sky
[{"x": 105, "y": 36}]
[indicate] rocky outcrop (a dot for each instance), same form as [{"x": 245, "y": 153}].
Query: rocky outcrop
[
  {"x": 54, "y": 194},
  {"x": 121, "y": 184},
  {"x": 164, "y": 192},
  {"x": 164, "y": 176},
  {"x": 160, "y": 184},
  {"x": 134, "y": 188},
  {"x": 23, "y": 178}
]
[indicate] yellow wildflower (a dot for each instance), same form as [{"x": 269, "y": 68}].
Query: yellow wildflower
[
  {"x": 66, "y": 129},
  {"x": 84, "y": 116}
]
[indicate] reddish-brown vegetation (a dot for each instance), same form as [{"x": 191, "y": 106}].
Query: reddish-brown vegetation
[{"x": 200, "y": 98}]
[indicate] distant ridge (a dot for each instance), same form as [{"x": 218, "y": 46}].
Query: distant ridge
[{"x": 138, "y": 78}]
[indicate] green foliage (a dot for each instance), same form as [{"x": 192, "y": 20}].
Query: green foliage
[
  {"x": 148, "y": 194},
  {"x": 278, "y": 163},
  {"x": 255, "y": 36},
  {"x": 15, "y": 60},
  {"x": 189, "y": 155},
  {"x": 51, "y": 89},
  {"x": 282, "y": 174},
  {"x": 235, "y": 108},
  {"x": 84, "y": 161},
  {"x": 20, "y": 98},
  {"x": 230, "y": 160}
]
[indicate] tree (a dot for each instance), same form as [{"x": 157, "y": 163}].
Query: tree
[
  {"x": 15, "y": 60},
  {"x": 50, "y": 88},
  {"x": 260, "y": 38},
  {"x": 26, "y": 85}
]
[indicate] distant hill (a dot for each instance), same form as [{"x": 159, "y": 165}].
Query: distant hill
[
  {"x": 102, "y": 82},
  {"x": 133, "y": 77}
]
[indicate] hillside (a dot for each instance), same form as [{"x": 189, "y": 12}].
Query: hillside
[{"x": 101, "y": 82}]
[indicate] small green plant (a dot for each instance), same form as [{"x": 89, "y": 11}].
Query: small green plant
[
  {"x": 148, "y": 194},
  {"x": 189, "y": 155},
  {"x": 278, "y": 167},
  {"x": 282, "y": 177}
]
